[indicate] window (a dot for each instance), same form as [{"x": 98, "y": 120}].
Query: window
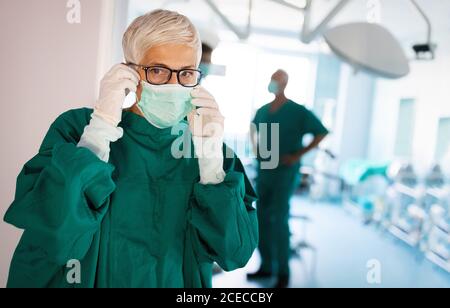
[
  {"x": 443, "y": 140},
  {"x": 405, "y": 129}
]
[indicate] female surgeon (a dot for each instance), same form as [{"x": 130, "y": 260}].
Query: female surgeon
[{"x": 109, "y": 202}]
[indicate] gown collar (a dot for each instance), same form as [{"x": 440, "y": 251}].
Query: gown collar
[{"x": 138, "y": 124}]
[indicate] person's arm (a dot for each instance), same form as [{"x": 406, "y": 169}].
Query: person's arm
[
  {"x": 62, "y": 195},
  {"x": 293, "y": 158},
  {"x": 223, "y": 221},
  {"x": 317, "y": 129},
  {"x": 314, "y": 144},
  {"x": 103, "y": 127}
]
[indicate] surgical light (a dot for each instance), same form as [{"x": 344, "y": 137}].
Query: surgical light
[{"x": 369, "y": 47}]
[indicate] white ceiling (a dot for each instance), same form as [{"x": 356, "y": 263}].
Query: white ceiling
[{"x": 399, "y": 16}]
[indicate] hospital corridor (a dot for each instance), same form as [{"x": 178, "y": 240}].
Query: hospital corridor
[{"x": 225, "y": 144}]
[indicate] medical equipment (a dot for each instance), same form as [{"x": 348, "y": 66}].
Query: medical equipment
[
  {"x": 359, "y": 45},
  {"x": 365, "y": 183},
  {"x": 437, "y": 244},
  {"x": 300, "y": 243},
  {"x": 393, "y": 198},
  {"x": 418, "y": 211},
  {"x": 407, "y": 214},
  {"x": 428, "y": 48},
  {"x": 322, "y": 179},
  {"x": 364, "y": 45}
]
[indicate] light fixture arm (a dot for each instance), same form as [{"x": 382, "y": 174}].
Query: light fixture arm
[
  {"x": 427, "y": 20},
  {"x": 308, "y": 35},
  {"x": 289, "y": 5},
  {"x": 239, "y": 33}
]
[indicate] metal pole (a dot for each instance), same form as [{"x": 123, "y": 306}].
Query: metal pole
[
  {"x": 241, "y": 35},
  {"x": 289, "y": 5},
  {"x": 308, "y": 36},
  {"x": 427, "y": 20}
]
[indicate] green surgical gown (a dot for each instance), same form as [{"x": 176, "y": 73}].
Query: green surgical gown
[
  {"x": 276, "y": 186},
  {"x": 295, "y": 121},
  {"x": 141, "y": 220}
]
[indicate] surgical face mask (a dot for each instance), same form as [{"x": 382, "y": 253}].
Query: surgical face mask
[
  {"x": 273, "y": 87},
  {"x": 166, "y": 105}
]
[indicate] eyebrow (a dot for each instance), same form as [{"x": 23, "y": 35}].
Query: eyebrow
[{"x": 166, "y": 66}]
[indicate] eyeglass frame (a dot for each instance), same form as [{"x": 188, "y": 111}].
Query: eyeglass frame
[{"x": 146, "y": 68}]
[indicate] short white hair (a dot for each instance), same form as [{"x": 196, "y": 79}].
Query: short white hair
[{"x": 157, "y": 28}]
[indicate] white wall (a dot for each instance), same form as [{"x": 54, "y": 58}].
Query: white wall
[
  {"x": 353, "y": 114},
  {"x": 47, "y": 67},
  {"x": 429, "y": 85}
]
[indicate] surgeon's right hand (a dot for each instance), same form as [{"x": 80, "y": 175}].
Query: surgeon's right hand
[{"x": 112, "y": 92}]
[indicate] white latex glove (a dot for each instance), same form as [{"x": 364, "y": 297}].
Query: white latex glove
[
  {"x": 206, "y": 120},
  {"x": 98, "y": 135},
  {"x": 206, "y": 124},
  {"x": 113, "y": 91}
]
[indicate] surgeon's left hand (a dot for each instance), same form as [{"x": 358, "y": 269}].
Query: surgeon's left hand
[
  {"x": 206, "y": 125},
  {"x": 290, "y": 159},
  {"x": 206, "y": 120}
]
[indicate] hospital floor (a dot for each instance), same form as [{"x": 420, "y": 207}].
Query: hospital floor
[{"x": 343, "y": 247}]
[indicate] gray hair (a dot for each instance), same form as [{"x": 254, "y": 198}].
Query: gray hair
[{"x": 157, "y": 28}]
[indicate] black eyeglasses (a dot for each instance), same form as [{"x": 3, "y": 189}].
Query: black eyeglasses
[{"x": 160, "y": 75}]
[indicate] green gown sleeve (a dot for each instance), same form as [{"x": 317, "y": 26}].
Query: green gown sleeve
[
  {"x": 314, "y": 125},
  {"x": 61, "y": 197},
  {"x": 223, "y": 222}
]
